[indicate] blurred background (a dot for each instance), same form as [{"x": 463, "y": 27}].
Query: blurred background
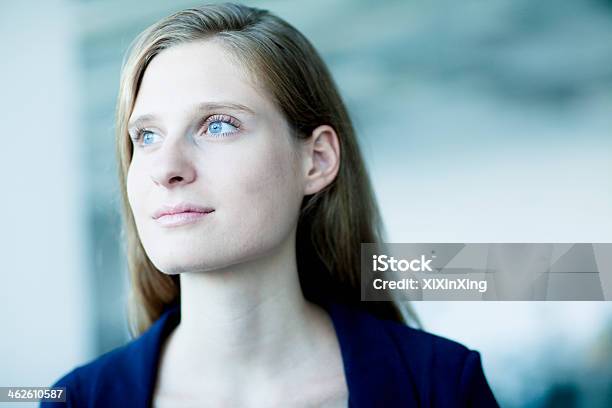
[{"x": 480, "y": 121}]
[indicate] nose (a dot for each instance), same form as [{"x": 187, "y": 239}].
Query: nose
[{"x": 173, "y": 166}]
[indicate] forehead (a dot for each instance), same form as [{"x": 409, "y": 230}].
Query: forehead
[{"x": 191, "y": 73}]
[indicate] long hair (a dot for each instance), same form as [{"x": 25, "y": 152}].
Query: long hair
[{"x": 333, "y": 222}]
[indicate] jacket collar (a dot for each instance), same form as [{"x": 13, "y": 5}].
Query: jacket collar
[
  {"x": 374, "y": 369},
  {"x": 373, "y": 366}
]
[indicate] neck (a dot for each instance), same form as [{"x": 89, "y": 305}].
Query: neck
[{"x": 251, "y": 316}]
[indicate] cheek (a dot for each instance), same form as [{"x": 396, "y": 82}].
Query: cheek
[
  {"x": 264, "y": 187},
  {"x": 134, "y": 187}
]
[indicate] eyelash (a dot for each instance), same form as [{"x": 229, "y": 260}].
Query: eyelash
[{"x": 204, "y": 124}]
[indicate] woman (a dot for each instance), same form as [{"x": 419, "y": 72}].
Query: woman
[{"x": 246, "y": 201}]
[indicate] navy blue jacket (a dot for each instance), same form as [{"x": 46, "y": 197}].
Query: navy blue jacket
[{"x": 386, "y": 364}]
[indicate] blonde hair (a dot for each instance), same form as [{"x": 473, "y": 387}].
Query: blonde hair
[{"x": 333, "y": 222}]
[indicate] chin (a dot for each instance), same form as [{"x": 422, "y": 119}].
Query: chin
[
  {"x": 177, "y": 262},
  {"x": 180, "y": 260}
]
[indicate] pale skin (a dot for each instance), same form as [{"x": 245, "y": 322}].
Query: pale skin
[{"x": 247, "y": 336}]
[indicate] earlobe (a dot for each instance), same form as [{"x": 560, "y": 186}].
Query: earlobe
[{"x": 323, "y": 159}]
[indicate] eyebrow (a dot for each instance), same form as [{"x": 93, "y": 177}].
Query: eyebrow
[{"x": 197, "y": 109}]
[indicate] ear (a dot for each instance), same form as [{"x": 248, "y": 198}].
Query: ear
[{"x": 321, "y": 159}]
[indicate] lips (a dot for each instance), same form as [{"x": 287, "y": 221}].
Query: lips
[
  {"x": 186, "y": 209},
  {"x": 174, "y": 215},
  {"x": 182, "y": 218},
  {"x": 181, "y": 214}
]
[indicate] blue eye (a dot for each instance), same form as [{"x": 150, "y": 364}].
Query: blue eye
[
  {"x": 148, "y": 137},
  {"x": 144, "y": 137},
  {"x": 219, "y": 127}
]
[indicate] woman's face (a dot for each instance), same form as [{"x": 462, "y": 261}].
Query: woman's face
[{"x": 214, "y": 149}]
